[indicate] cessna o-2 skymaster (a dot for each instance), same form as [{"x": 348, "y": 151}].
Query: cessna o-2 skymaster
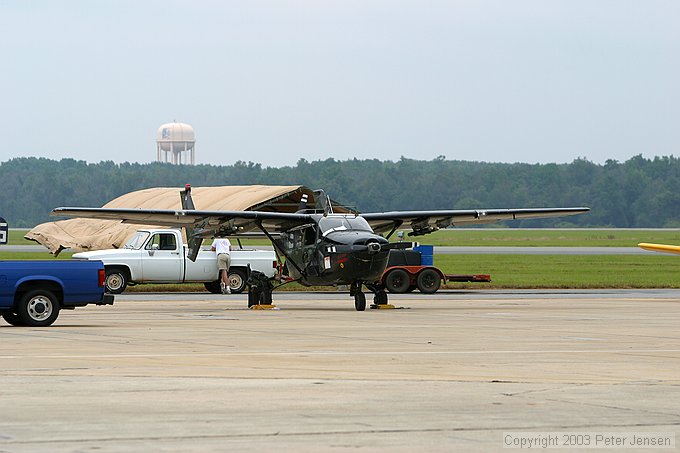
[{"x": 320, "y": 248}]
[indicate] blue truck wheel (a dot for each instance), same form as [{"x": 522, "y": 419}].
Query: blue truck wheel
[{"x": 38, "y": 308}]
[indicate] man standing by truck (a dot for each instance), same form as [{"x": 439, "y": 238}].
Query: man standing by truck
[{"x": 222, "y": 247}]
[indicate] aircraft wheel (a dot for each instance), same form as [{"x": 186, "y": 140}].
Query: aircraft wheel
[
  {"x": 12, "y": 319},
  {"x": 116, "y": 281},
  {"x": 380, "y": 298},
  {"x": 397, "y": 281},
  {"x": 428, "y": 281},
  {"x": 360, "y": 301},
  {"x": 411, "y": 288}
]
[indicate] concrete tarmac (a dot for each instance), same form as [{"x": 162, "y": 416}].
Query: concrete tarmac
[{"x": 449, "y": 372}]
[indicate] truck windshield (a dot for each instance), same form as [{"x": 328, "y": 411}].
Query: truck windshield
[
  {"x": 332, "y": 223},
  {"x": 136, "y": 241}
]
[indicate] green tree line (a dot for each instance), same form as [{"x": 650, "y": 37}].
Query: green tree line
[{"x": 638, "y": 193}]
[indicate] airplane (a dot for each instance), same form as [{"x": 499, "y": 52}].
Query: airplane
[
  {"x": 660, "y": 247},
  {"x": 319, "y": 247}
]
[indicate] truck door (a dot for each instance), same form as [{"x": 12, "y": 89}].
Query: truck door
[{"x": 161, "y": 259}]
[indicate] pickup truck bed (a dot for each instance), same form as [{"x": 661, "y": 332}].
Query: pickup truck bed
[{"x": 33, "y": 292}]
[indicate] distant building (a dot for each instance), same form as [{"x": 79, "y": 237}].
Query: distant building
[{"x": 175, "y": 139}]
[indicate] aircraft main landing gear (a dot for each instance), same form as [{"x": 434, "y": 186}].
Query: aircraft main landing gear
[
  {"x": 260, "y": 292},
  {"x": 379, "y": 298}
]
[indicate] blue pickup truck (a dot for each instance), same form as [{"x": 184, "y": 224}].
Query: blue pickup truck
[{"x": 33, "y": 292}]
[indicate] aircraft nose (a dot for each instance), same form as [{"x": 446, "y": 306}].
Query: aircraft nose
[{"x": 373, "y": 247}]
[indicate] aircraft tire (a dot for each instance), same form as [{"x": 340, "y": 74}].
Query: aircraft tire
[
  {"x": 397, "y": 281},
  {"x": 380, "y": 298},
  {"x": 360, "y": 301}
]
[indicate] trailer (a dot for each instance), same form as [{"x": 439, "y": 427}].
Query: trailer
[{"x": 410, "y": 269}]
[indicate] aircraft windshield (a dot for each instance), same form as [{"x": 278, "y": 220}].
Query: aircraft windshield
[
  {"x": 136, "y": 241},
  {"x": 329, "y": 224}
]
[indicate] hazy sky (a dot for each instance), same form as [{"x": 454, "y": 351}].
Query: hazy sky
[{"x": 274, "y": 81}]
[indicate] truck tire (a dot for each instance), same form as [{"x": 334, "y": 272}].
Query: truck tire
[
  {"x": 397, "y": 281},
  {"x": 116, "y": 280},
  {"x": 237, "y": 280},
  {"x": 38, "y": 308},
  {"x": 12, "y": 319},
  {"x": 428, "y": 281},
  {"x": 213, "y": 287}
]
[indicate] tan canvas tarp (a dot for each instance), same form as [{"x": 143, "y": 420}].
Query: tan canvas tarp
[{"x": 93, "y": 234}]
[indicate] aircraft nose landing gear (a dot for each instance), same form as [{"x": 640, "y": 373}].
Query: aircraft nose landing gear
[
  {"x": 359, "y": 296},
  {"x": 379, "y": 298}
]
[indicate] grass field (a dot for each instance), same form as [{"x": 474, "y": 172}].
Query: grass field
[
  {"x": 507, "y": 237},
  {"x": 519, "y": 271}
]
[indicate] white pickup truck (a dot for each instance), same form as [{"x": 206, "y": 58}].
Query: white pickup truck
[{"x": 160, "y": 256}]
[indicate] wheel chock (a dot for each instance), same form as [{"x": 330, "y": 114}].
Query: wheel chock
[
  {"x": 264, "y": 307},
  {"x": 382, "y": 306}
]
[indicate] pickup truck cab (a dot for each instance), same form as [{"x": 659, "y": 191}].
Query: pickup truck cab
[
  {"x": 33, "y": 292},
  {"x": 160, "y": 256}
]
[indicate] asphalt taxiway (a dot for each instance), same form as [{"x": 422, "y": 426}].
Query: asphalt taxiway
[{"x": 452, "y": 371}]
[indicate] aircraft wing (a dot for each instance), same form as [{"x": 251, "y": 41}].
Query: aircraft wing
[
  {"x": 204, "y": 223},
  {"x": 424, "y": 222},
  {"x": 660, "y": 247}
]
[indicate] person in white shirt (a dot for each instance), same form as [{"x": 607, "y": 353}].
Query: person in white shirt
[{"x": 222, "y": 247}]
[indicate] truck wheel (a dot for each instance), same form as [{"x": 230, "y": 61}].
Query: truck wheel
[
  {"x": 213, "y": 287},
  {"x": 397, "y": 281},
  {"x": 12, "y": 319},
  {"x": 237, "y": 280},
  {"x": 428, "y": 281},
  {"x": 116, "y": 281},
  {"x": 38, "y": 308}
]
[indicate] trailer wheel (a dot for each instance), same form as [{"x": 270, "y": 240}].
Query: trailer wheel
[
  {"x": 397, "y": 281},
  {"x": 116, "y": 281},
  {"x": 428, "y": 281},
  {"x": 237, "y": 280},
  {"x": 12, "y": 319},
  {"x": 38, "y": 308}
]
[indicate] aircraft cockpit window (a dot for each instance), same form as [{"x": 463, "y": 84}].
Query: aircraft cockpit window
[
  {"x": 329, "y": 224},
  {"x": 137, "y": 241},
  {"x": 359, "y": 223}
]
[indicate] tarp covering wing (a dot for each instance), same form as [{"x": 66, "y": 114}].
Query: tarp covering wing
[{"x": 96, "y": 234}]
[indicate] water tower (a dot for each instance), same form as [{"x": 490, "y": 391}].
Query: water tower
[{"x": 176, "y": 138}]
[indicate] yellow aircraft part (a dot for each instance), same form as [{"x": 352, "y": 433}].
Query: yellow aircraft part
[
  {"x": 660, "y": 247},
  {"x": 382, "y": 306}
]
